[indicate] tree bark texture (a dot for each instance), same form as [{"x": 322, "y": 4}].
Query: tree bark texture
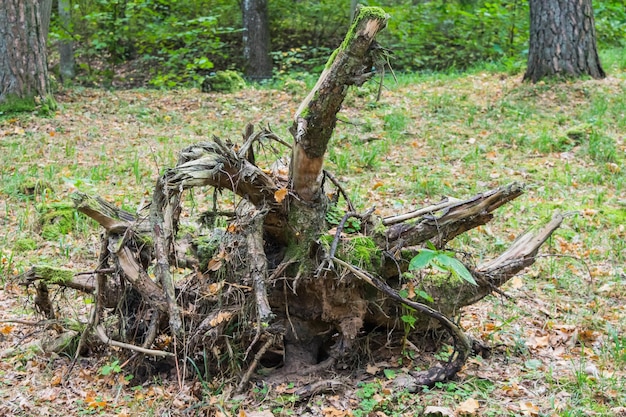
[
  {"x": 314, "y": 122},
  {"x": 256, "y": 39},
  {"x": 23, "y": 31},
  {"x": 562, "y": 40}
]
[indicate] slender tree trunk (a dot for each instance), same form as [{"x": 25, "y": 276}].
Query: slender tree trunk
[
  {"x": 562, "y": 40},
  {"x": 23, "y": 29},
  {"x": 66, "y": 47},
  {"x": 353, "y": 4},
  {"x": 256, "y": 39}
]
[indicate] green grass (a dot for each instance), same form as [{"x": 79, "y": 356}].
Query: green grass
[{"x": 430, "y": 135}]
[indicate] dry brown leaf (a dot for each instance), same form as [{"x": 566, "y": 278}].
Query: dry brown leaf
[
  {"x": 467, "y": 407},
  {"x": 535, "y": 342},
  {"x": 335, "y": 412},
  {"x": 372, "y": 369},
  {"x": 280, "y": 195},
  {"x": 221, "y": 317},
  {"x": 214, "y": 265},
  {"x": 432, "y": 411},
  {"x": 528, "y": 409}
]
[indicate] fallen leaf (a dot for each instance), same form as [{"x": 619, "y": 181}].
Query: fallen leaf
[
  {"x": 431, "y": 411},
  {"x": 221, "y": 317},
  {"x": 280, "y": 195},
  {"x": 467, "y": 407},
  {"x": 528, "y": 408},
  {"x": 6, "y": 329},
  {"x": 516, "y": 283},
  {"x": 214, "y": 265},
  {"x": 372, "y": 369},
  {"x": 335, "y": 412}
]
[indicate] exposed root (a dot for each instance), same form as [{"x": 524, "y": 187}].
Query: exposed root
[
  {"x": 462, "y": 344},
  {"x": 101, "y": 333}
]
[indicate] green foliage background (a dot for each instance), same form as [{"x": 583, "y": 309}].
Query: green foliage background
[{"x": 178, "y": 42}]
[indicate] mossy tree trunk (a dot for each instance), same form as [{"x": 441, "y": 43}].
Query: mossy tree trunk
[{"x": 274, "y": 284}]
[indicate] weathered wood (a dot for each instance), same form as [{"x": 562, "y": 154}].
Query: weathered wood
[
  {"x": 454, "y": 219},
  {"x": 314, "y": 122},
  {"x": 112, "y": 218}
]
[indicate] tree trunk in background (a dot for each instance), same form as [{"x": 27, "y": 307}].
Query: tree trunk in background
[
  {"x": 256, "y": 39},
  {"x": 23, "y": 30},
  {"x": 353, "y": 4},
  {"x": 562, "y": 40},
  {"x": 66, "y": 47}
]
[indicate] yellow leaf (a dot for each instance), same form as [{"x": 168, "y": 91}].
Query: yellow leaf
[
  {"x": 516, "y": 283},
  {"x": 6, "y": 329},
  {"x": 467, "y": 407},
  {"x": 280, "y": 195}
]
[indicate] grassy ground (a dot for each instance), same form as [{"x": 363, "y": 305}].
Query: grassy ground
[{"x": 559, "y": 341}]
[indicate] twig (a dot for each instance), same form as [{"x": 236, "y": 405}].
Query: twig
[
  {"x": 388, "y": 221},
  {"x": 336, "y": 183},
  {"x": 101, "y": 333},
  {"x": 30, "y": 323},
  {"x": 255, "y": 363}
]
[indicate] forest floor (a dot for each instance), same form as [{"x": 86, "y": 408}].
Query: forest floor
[{"x": 558, "y": 340}]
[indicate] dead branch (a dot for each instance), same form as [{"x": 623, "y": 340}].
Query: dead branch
[
  {"x": 258, "y": 269},
  {"x": 455, "y": 219},
  {"x": 101, "y": 333}
]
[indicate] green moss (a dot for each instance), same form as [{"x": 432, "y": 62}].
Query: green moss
[
  {"x": 25, "y": 244},
  {"x": 224, "y": 82},
  {"x": 363, "y": 13},
  {"x": 52, "y": 274},
  {"x": 56, "y": 219},
  {"x": 13, "y": 104},
  {"x": 206, "y": 246},
  {"x": 34, "y": 186},
  {"x": 359, "y": 250}
]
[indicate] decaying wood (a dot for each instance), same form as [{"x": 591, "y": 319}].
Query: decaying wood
[
  {"x": 267, "y": 284},
  {"x": 315, "y": 119}
]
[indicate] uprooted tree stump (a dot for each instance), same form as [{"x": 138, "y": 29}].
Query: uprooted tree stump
[{"x": 291, "y": 280}]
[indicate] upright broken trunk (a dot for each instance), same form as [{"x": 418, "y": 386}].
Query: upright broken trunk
[{"x": 275, "y": 282}]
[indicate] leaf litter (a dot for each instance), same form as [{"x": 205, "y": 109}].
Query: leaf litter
[{"x": 568, "y": 321}]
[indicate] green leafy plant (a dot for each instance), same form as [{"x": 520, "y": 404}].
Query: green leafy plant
[
  {"x": 443, "y": 261},
  {"x": 111, "y": 368}
]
